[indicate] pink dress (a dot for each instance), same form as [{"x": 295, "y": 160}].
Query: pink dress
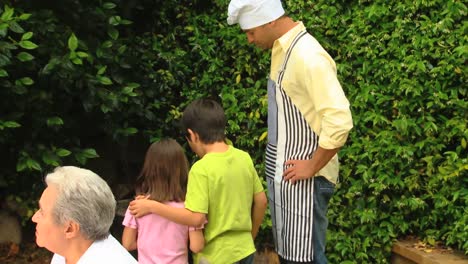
[{"x": 159, "y": 240}]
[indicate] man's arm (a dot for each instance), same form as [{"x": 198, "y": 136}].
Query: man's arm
[
  {"x": 183, "y": 216},
  {"x": 258, "y": 211},
  {"x": 304, "y": 169}
]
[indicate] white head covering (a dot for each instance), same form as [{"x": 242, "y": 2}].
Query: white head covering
[{"x": 253, "y": 13}]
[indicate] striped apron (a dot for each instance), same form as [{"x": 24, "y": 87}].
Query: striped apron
[{"x": 289, "y": 137}]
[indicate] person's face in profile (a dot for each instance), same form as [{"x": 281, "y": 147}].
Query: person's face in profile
[
  {"x": 261, "y": 36},
  {"x": 48, "y": 233}
]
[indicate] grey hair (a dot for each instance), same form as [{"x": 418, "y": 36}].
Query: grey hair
[{"x": 84, "y": 198}]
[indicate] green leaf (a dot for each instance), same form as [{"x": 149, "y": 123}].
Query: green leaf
[
  {"x": 19, "y": 89},
  {"x": 77, "y": 61},
  {"x": 122, "y": 49},
  {"x": 27, "y": 36},
  {"x": 127, "y": 90},
  {"x": 20, "y": 166},
  {"x": 3, "y": 73},
  {"x": 105, "y": 109},
  {"x": 104, "y": 80},
  {"x": 125, "y": 22},
  {"x": 54, "y": 121},
  {"x": 100, "y": 53},
  {"x": 32, "y": 164},
  {"x": 72, "y": 42},
  {"x": 50, "y": 159},
  {"x": 82, "y": 54},
  {"x": 7, "y": 14},
  {"x": 26, "y": 81},
  {"x": 24, "y": 56},
  {"x": 4, "y": 60},
  {"x": 85, "y": 154},
  {"x": 109, "y": 5},
  {"x": 107, "y": 44},
  {"x": 26, "y": 44},
  {"x": 80, "y": 158},
  {"x": 90, "y": 153},
  {"x": 50, "y": 66},
  {"x": 130, "y": 131},
  {"x": 102, "y": 70},
  {"x": 11, "y": 124},
  {"x": 113, "y": 33},
  {"x": 133, "y": 85},
  {"x": 72, "y": 55},
  {"x": 115, "y": 20},
  {"x": 15, "y": 27},
  {"x": 263, "y": 136},
  {"x": 24, "y": 16},
  {"x": 61, "y": 152}
]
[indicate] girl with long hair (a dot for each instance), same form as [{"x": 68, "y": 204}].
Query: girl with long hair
[{"x": 163, "y": 178}]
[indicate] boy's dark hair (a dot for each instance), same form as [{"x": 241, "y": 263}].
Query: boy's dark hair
[
  {"x": 206, "y": 118},
  {"x": 165, "y": 172}
]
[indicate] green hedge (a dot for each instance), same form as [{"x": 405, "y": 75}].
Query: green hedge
[
  {"x": 404, "y": 168},
  {"x": 77, "y": 72}
]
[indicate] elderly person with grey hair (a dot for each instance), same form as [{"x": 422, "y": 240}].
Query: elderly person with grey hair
[{"x": 75, "y": 213}]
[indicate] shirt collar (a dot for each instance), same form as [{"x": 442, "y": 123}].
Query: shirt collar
[{"x": 285, "y": 41}]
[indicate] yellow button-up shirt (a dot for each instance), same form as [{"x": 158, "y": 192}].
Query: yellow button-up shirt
[{"x": 310, "y": 80}]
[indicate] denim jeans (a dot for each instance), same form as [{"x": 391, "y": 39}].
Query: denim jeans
[
  {"x": 247, "y": 260},
  {"x": 323, "y": 191},
  {"x": 283, "y": 261}
]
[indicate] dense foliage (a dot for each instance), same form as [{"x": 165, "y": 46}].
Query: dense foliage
[{"x": 83, "y": 81}]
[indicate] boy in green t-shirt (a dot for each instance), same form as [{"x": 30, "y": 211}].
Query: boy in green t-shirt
[{"x": 223, "y": 187}]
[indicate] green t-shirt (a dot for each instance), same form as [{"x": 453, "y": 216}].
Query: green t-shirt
[{"x": 222, "y": 185}]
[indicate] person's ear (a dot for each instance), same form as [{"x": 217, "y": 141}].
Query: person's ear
[
  {"x": 72, "y": 229},
  {"x": 192, "y": 136}
]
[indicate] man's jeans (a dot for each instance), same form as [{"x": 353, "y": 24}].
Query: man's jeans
[
  {"x": 248, "y": 260},
  {"x": 323, "y": 191}
]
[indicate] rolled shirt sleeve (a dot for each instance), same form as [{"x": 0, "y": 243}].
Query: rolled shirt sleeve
[{"x": 332, "y": 120}]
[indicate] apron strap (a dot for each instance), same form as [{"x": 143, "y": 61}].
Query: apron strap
[{"x": 288, "y": 54}]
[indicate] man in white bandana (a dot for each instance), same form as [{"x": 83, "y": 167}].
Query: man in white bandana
[{"x": 308, "y": 122}]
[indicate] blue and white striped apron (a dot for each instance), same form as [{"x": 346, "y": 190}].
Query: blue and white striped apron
[{"x": 289, "y": 137}]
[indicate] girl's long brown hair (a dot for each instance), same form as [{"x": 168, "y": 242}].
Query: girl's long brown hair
[{"x": 164, "y": 173}]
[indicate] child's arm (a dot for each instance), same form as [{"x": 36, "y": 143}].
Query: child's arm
[
  {"x": 196, "y": 240},
  {"x": 258, "y": 211},
  {"x": 183, "y": 216},
  {"x": 129, "y": 238}
]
